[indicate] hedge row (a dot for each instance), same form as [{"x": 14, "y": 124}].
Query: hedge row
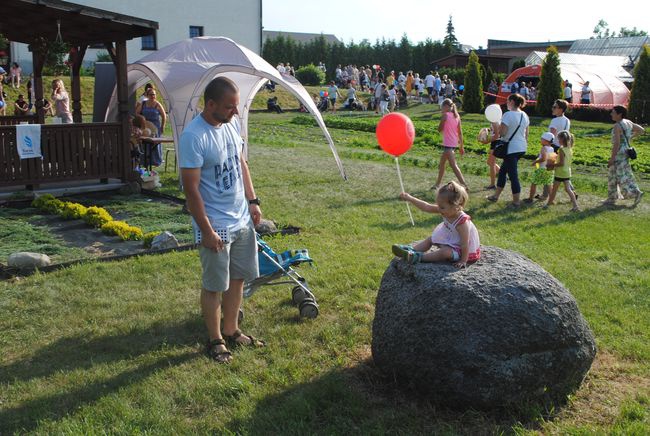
[{"x": 94, "y": 216}]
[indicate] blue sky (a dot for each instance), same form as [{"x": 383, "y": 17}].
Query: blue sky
[{"x": 542, "y": 21}]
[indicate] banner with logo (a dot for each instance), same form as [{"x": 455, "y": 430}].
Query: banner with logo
[{"x": 28, "y": 140}]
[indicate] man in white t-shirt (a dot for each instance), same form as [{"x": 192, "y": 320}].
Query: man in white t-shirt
[
  {"x": 401, "y": 78},
  {"x": 429, "y": 82},
  {"x": 568, "y": 92},
  {"x": 586, "y": 94},
  {"x": 559, "y": 122},
  {"x": 378, "y": 93},
  {"x": 281, "y": 68},
  {"x": 224, "y": 208}
]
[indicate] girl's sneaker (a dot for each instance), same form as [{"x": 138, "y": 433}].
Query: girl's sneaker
[{"x": 407, "y": 253}]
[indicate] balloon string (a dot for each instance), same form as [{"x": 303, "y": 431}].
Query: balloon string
[{"x": 401, "y": 184}]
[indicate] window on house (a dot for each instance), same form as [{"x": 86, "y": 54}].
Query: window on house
[
  {"x": 149, "y": 42},
  {"x": 196, "y": 31}
]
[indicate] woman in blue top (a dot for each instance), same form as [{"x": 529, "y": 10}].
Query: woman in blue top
[
  {"x": 514, "y": 127},
  {"x": 154, "y": 112}
]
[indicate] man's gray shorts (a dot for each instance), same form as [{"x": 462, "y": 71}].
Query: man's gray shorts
[{"x": 238, "y": 260}]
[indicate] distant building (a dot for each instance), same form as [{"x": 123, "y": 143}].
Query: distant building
[
  {"x": 518, "y": 49},
  {"x": 299, "y": 36},
  {"x": 630, "y": 47},
  {"x": 240, "y": 21},
  {"x": 498, "y": 63}
]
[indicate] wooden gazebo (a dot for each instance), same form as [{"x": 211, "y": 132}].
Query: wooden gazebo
[{"x": 79, "y": 151}]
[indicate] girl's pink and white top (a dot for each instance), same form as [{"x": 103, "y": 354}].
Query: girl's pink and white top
[{"x": 447, "y": 234}]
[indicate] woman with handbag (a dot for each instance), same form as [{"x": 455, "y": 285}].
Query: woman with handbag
[
  {"x": 511, "y": 147},
  {"x": 620, "y": 179}
]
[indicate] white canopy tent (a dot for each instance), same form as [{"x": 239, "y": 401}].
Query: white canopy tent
[{"x": 182, "y": 70}]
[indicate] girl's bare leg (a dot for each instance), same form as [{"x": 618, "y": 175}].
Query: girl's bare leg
[
  {"x": 441, "y": 168},
  {"x": 442, "y": 254},
  {"x": 569, "y": 191},
  {"x": 551, "y": 196},
  {"x": 455, "y": 168}
]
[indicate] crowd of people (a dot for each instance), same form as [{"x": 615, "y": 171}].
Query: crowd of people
[{"x": 58, "y": 107}]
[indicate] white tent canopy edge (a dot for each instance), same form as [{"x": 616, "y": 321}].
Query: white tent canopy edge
[{"x": 181, "y": 75}]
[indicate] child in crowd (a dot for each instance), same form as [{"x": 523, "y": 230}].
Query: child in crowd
[
  {"x": 563, "y": 169},
  {"x": 541, "y": 176},
  {"x": 452, "y": 138},
  {"x": 456, "y": 237}
]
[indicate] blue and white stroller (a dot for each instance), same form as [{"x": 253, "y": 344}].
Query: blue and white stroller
[{"x": 274, "y": 267}]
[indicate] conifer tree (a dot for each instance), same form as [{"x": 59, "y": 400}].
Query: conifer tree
[
  {"x": 473, "y": 93},
  {"x": 640, "y": 96},
  {"x": 550, "y": 83}
]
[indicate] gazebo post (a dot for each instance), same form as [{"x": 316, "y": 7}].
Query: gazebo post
[
  {"x": 123, "y": 106},
  {"x": 38, "y": 59},
  {"x": 77, "y": 116}
]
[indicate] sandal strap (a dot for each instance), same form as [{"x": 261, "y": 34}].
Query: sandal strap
[{"x": 218, "y": 341}]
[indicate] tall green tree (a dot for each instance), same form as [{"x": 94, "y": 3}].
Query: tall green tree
[
  {"x": 473, "y": 93},
  {"x": 550, "y": 82},
  {"x": 640, "y": 95},
  {"x": 450, "y": 41}
]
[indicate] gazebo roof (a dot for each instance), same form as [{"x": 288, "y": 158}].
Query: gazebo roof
[{"x": 25, "y": 20}]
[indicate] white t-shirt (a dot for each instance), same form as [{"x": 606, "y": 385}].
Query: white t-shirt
[
  {"x": 217, "y": 151},
  {"x": 559, "y": 124},
  {"x": 568, "y": 92},
  {"x": 392, "y": 94},
  {"x": 585, "y": 93},
  {"x": 428, "y": 81},
  {"x": 378, "y": 90},
  {"x": 401, "y": 79},
  {"x": 518, "y": 143},
  {"x": 352, "y": 94},
  {"x": 281, "y": 69},
  {"x": 548, "y": 150}
]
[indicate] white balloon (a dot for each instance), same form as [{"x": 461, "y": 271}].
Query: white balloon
[{"x": 493, "y": 113}]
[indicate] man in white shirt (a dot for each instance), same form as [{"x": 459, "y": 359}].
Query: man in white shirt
[
  {"x": 586, "y": 94},
  {"x": 429, "y": 81},
  {"x": 559, "y": 122},
  {"x": 568, "y": 92},
  {"x": 401, "y": 78},
  {"x": 281, "y": 68}
]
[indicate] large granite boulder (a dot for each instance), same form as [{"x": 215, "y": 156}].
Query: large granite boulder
[{"x": 501, "y": 332}]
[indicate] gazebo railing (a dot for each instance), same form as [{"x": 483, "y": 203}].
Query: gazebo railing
[
  {"x": 17, "y": 119},
  {"x": 71, "y": 152}
]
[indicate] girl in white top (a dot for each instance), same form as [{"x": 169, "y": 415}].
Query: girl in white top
[
  {"x": 456, "y": 238},
  {"x": 61, "y": 101}
]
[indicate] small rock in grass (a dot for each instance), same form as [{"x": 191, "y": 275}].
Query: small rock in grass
[
  {"x": 26, "y": 260},
  {"x": 266, "y": 227},
  {"x": 164, "y": 241}
]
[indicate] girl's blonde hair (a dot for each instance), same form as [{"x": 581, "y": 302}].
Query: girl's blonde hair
[
  {"x": 60, "y": 83},
  {"x": 453, "y": 193},
  {"x": 451, "y": 105},
  {"x": 565, "y": 138}
]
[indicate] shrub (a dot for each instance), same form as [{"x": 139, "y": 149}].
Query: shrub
[
  {"x": 473, "y": 93},
  {"x": 97, "y": 216},
  {"x": 147, "y": 239},
  {"x": 588, "y": 113},
  {"x": 122, "y": 230},
  {"x": 49, "y": 204},
  {"x": 310, "y": 75},
  {"x": 640, "y": 96},
  {"x": 73, "y": 211},
  {"x": 550, "y": 82}
]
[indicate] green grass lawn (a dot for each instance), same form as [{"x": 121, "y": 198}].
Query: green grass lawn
[{"x": 118, "y": 348}]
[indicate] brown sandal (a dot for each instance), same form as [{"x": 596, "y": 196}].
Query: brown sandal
[
  {"x": 233, "y": 342},
  {"x": 219, "y": 356}
]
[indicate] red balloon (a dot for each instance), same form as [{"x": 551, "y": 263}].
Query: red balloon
[{"x": 395, "y": 133}]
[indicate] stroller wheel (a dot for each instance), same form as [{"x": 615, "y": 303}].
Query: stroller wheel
[
  {"x": 298, "y": 295},
  {"x": 308, "y": 309},
  {"x": 240, "y": 316}
]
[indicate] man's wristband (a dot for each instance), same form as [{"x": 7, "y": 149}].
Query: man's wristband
[{"x": 254, "y": 201}]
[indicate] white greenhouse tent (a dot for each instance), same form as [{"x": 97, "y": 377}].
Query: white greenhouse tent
[{"x": 182, "y": 70}]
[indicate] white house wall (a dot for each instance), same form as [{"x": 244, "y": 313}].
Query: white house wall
[{"x": 240, "y": 20}]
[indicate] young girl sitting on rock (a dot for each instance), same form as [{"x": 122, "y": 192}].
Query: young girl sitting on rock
[{"x": 456, "y": 238}]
